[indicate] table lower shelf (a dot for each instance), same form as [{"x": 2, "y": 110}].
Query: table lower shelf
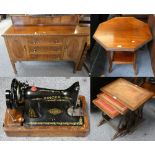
[{"x": 122, "y": 57}]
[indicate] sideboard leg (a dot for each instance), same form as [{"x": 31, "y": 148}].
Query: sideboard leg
[
  {"x": 14, "y": 66},
  {"x": 75, "y": 67},
  {"x": 83, "y": 57}
]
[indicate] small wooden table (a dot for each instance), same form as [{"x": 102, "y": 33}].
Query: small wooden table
[
  {"x": 121, "y": 37},
  {"x": 122, "y": 98}
]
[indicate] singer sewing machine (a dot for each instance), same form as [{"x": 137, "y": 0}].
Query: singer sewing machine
[{"x": 34, "y": 111}]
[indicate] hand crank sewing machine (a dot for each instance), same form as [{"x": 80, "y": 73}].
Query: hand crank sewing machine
[
  {"x": 34, "y": 111},
  {"x": 123, "y": 99}
]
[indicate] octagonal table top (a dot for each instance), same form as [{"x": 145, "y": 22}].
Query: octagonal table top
[{"x": 123, "y": 34}]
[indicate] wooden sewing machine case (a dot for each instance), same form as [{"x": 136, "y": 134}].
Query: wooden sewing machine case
[{"x": 13, "y": 129}]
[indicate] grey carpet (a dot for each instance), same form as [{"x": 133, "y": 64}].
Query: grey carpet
[{"x": 34, "y": 69}]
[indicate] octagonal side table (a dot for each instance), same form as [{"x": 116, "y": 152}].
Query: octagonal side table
[{"x": 121, "y": 37}]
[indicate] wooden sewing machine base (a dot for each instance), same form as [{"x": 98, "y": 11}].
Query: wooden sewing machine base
[
  {"x": 17, "y": 130},
  {"x": 127, "y": 124}
]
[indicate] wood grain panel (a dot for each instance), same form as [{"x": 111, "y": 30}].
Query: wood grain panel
[
  {"x": 126, "y": 92},
  {"x": 123, "y": 34},
  {"x": 29, "y": 20},
  {"x": 106, "y": 108}
]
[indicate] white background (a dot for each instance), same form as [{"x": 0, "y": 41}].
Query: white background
[{"x": 77, "y": 7}]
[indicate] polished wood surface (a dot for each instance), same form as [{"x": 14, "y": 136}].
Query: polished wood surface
[
  {"x": 30, "y": 20},
  {"x": 13, "y": 130},
  {"x": 105, "y": 107},
  {"x": 118, "y": 106},
  {"x": 151, "y": 23},
  {"x": 47, "y": 43},
  {"x": 150, "y": 87},
  {"x": 47, "y": 30},
  {"x": 128, "y": 93},
  {"x": 121, "y": 57},
  {"x": 123, "y": 34}
]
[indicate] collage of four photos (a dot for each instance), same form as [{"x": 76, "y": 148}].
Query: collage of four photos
[{"x": 77, "y": 77}]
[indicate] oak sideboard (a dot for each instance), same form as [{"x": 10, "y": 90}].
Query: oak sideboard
[{"x": 49, "y": 38}]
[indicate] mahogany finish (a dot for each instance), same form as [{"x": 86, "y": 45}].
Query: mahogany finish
[
  {"x": 125, "y": 99},
  {"x": 150, "y": 87},
  {"x": 127, "y": 93},
  {"x": 47, "y": 43},
  {"x": 14, "y": 129},
  {"x": 120, "y": 96},
  {"x": 122, "y": 34},
  {"x": 45, "y": 20},
  {"x": 151, "y": 23}
]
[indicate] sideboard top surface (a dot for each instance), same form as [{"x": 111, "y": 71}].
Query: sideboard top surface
[{"x": 47, "y": 30}]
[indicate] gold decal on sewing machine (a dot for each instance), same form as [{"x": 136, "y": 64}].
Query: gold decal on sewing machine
[
  {"x": 79, "y": 123},
  {"x": 53, "y": 91},
  {"x": 57, "y": 98},
  {"x": 32, "y": 113},
  {"x": 36, "y": 99},
  {"x": 55, "y": 111}
]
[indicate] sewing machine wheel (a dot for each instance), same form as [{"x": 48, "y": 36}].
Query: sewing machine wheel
[{"x": 14, "y": 96}]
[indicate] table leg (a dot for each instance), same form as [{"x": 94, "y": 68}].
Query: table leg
[
  {"x": 127, "y": 124},
  {"x": 83, "y": 57},
  {"x": 104, "y": 119},
  {"x": 134, "y": 64},
  {"x": 101, "y": 122},
  {"x": 110, "y": 60},
  {"x": 75, "y": 67},
  {"x": 14, "y": 66}
]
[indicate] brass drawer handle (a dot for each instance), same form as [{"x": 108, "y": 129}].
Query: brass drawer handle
[
  {"x": 65, "y": 47},
  {"x": 24, "y": 48},
  {"x": 56, "y": 41},
  {"x": 35, "y": 42},
  {"x": 34, "y": 50}
]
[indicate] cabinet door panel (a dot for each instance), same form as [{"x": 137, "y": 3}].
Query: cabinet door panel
[
  {"x": 17, "y": 47},
  {"x": 74, "y": 48}
]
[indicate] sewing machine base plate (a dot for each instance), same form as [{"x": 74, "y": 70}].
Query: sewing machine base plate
[{"x": 15, "y": 130}]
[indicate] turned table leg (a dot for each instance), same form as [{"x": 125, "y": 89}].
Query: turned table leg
[
  {"x": 135, "y": 64},
  {"x": 110, "y": 61}
]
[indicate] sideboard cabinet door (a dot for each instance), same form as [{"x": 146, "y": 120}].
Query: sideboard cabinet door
[
  {"x": 17, "y": 47},
  {"x": 74, "y": 48}
]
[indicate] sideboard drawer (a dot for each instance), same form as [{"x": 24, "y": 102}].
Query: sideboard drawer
[
  {"x": 45, "y": 49},
  {"x": 54, "y": 56},
  {"x": 45, "y": 40}
]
